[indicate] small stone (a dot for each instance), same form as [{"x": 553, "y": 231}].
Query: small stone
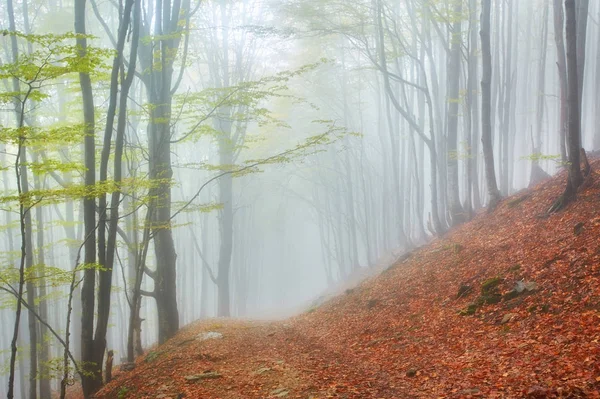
[
  {"x": 262, "y": 370},
  {"x": 127, "y": 366},
  {"x": 512, "y": 294},
  {"x": 209, "y": 335},
  {"x": 531, "y": 286},
  {"x": 507, "y": 317},
  {"x": 411, "y": 372},
  {"x": 490, "y": 285},
  {"x": 280, "y": 392},
  {"x": 204, "y": 376}
]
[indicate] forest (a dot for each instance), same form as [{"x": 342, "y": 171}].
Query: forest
[{"x": 165, "y": 162}]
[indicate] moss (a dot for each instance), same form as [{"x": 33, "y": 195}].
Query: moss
[
  {"x": 512, "y": 294},
  {"x": 464, "y": 290},
  {"x": 492, "y": 298},
  {"x": 469, "y": 310},
  {"x": 124, "y": 392},
  {"x": 490, "y": 285}
]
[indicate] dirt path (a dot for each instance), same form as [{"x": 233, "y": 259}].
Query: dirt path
[{"x": 253, "y": 360}]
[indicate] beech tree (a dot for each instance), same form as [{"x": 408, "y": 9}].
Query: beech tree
[{"x": 486, "y": 93}]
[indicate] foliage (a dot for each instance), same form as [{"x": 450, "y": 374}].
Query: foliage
[
  {"x": 538, "y": 156},
  {"x": 53, "y": 56}
]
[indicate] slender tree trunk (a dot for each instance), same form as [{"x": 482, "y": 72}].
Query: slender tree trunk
[
  {"x": 574, "y": 132},
  {"x": 562, "y": 75},
  {"x": 457, "y": 213},
  {"x": 474, "y": 104},
  {"x": 486, "y": 122},
  {"x": 162, "y": 50},
  {"x": 89, "y": 215},
  {"x": 44, "y": 355},
  {"x": 537, "y": 172},
  {"x": 581, "y": 16}
]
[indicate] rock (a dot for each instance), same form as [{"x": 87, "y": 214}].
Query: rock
[
  {"x": 127, "y": 366},
  {"x": 280, "y": 392},
  {"x": 512, "y": 294},
  {"x": 371, "y": 303},
  {"x": 531, "y": 286},
  {"x": 493, "y": 298},
  {"x": 262, "y": 370},
  {"x": 209, "y": 335},
  {"x": 411, "y": 372},
  {"x": 490, "y": 285},
  {"x": 520, "y": 288},
  {"x": 507, "y": 317},
  {"x": 207, "y": 375}
]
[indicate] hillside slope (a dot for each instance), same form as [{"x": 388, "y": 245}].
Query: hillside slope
[{"x": 505, "y": 306}]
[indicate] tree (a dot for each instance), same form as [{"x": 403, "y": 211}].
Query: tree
[
  {"x": 94, "y": 343},
  {"x": 562, "y": 75},
  {"x": 486, "y": 94},
  {"x": 47, "y": 60},
  {"x": 575, "y": 176},
  {"x": 457, "y": 214},
  {"x": 157, "y": 54}
]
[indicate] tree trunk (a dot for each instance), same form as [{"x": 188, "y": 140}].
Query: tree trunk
[
  {"x": 536, "y": 143},
  {"x": 562, "y": 75},
  {"x": 574, "y": 132},
  {"x": 486, "y": 94},
  {"x": 581, "y": 17},
  {"x": 90, "y": 381},
  {"x": 44, "y": 355},
  {"x": 162, "y": 51},
  {"x": 457, "y": 213}
]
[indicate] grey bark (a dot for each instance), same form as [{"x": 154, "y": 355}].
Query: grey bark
[{"x": 486, "y": 121}]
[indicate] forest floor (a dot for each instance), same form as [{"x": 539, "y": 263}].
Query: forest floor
[{"x": 505, "y": 306}]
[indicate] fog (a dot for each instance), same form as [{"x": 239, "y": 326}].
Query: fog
[{"x": 166, "y": 161}]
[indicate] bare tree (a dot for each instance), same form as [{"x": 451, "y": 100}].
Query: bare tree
[{"x": 486, "y": 94}]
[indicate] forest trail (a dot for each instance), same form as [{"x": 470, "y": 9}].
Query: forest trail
[{"x": 505, "y": 306}]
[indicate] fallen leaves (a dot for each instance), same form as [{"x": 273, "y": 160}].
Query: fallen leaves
[{"x": 400, "y": 335}]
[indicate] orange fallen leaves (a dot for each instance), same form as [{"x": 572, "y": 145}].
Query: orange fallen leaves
[{"x": 400, "y": 336}]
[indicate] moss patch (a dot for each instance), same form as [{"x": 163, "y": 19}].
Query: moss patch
[{"x": 490, "y": 285}]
